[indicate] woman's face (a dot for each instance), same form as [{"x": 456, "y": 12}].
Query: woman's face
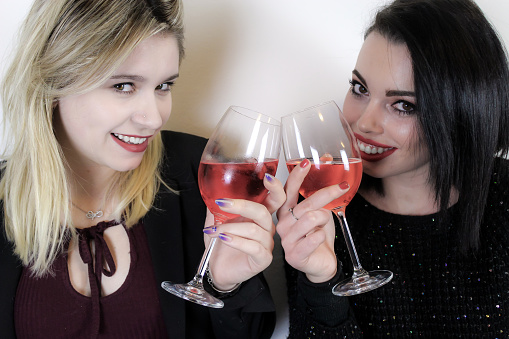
[
  {"x": 380, "y": 108},
  {"x": 112, "y": 125}
]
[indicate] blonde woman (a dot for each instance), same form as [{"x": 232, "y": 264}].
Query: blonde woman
[{"x": 99, "y": 206}]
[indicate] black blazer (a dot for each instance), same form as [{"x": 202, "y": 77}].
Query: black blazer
[{"x": 174, "y": 232}]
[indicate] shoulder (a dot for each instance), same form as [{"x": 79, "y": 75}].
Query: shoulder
[
  {"x": 496, "y": 213},
  {"x": 182, "y": 144},
  {"x": 181, "y": 157},
  {"x": 499, "y": 184}
]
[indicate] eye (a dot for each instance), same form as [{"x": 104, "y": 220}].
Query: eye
[
  {"x": 124, "y": 87},
  {"x": 404, "y": 107},
  {"x": 357, "y": 88},
  {"x": 165, "y": 87}
]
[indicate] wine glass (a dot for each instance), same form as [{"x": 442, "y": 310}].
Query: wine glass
[
  {"x": 322, "y": 135},
  {"x": 243, "y": 147}
]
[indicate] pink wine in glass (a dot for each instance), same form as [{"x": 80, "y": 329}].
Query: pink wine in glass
[
  {"x": 242, "y": 180},
  {"x": 331, "y": 173}
]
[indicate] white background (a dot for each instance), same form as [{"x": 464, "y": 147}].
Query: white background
[{"x": 273, "y": 56}]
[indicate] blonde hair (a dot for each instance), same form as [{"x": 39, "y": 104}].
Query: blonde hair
[{"x": 69, "y": 47}]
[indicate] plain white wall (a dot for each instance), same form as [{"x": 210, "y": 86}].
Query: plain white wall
[{"x": 275, "y": 57}]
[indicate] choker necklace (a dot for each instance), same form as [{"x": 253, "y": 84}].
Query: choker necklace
[{"x": 90, "y": 214}]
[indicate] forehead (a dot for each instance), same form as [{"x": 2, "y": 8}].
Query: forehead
[
  {"x": 383, "y": 62},
  {"x": 156, "y": 52}
]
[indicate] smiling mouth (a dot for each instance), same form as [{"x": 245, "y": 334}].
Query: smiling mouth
[
  {"x": 129, "y": 140},
  {"x": 372, "y": 149}
]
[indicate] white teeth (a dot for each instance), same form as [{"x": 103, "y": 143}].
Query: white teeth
[
  {"x": 130, "y": 140},
  {"x": 370, "y": 149}
]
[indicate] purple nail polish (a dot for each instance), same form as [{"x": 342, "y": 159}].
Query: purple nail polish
[
  {"x": 224, "y": 237},
  {"x": 224, "y": 203},
  {"x": 269, "y": 177},
  {"x": 210, "y": 230}
]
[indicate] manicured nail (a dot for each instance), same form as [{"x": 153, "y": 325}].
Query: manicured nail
[
  {"x": 224, "y": 237},
  {"x": 344, "y": 185},
  {"x": 304, "y": 163},
  {"x": 210, "y": 230},
  {"x": 269, "y": 177},
  {"x": 224, "y": 202}
]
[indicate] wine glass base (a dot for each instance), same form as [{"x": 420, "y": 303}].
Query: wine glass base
[
  {"x": 362, "y": 283},
  {"x": 192, "y": 293}
]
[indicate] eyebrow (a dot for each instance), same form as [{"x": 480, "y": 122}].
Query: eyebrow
[
  {"x": 390, "y": 93},
  {"x": 400, "y": 94},
  {"x": 140, "y": 78},
  {"x": 361, "y": 78}
]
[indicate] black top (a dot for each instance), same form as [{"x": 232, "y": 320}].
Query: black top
[
  {"x": 174, "y": 233},
  {"x": 436, "y": 292}
]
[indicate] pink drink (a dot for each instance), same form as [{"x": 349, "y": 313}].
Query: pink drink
[
  {"x": 233, "y": 181},
  {"x": 328, "y": 174}
]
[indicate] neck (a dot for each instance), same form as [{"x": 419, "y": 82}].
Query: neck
[
  {"x": 91, "y": 191},
  {"x": 411, "y": 197}
]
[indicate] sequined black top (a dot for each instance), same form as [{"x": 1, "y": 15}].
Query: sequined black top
[{"x": 435, "y": 293}]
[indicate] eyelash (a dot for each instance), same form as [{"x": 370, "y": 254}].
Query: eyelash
[
  {"x": 355, "y": 83},
  {"x": 404, "y": 112},
  {"x": 118, "y": 87}
]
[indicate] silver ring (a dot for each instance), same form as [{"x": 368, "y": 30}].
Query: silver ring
[{"x": 293, "y": 215}]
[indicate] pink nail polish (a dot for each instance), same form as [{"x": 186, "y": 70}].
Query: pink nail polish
[
  {"x": 344, "y": 185},
  {"x": 304, "y": 163}
]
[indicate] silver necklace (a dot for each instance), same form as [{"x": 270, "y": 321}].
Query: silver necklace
[{"x": 90, "y": 214}]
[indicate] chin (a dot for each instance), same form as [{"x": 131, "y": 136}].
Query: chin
[{"x": 127, "y": 166}]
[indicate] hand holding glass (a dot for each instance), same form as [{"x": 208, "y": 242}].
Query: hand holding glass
[
  {"x": 242, "y": 149},
  {"x": 322, "y": 135}
]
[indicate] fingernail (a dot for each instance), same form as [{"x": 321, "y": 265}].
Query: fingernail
[
  {"x": 210, "y": 230},
  {"x": 269, "y": 177},
  {"x": 344, "y": 185},
  {"x": 224, "y": 237},
  {"x": 304, "y": 163},
  {"x": 224, "y": 202}
]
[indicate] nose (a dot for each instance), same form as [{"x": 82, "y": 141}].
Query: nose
[
  {"x": 151, "y": 112},
  {"x": 371, "y": 119}
]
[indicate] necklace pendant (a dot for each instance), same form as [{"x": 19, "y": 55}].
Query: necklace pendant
[{"x": 92, "y": 215}]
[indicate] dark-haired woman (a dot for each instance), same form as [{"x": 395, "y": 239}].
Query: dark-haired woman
[
  {"x": 85, "y": 102},
  {"x": 429, "y": 106}
]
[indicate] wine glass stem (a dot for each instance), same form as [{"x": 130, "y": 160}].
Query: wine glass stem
[
  {"x": 204, "y": 263},
  {"x": 357, "y": 268}
]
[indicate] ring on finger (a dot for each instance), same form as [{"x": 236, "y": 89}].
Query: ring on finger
[{"x": 293, "y": 215}]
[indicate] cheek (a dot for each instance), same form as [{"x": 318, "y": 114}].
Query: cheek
[
  {"x": 351, "y": 110},
  {"x": 165, "y": 109},
  {"x": 405, "y": 134}
]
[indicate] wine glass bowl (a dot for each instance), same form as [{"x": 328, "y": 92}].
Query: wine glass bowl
[
  {"x": 323, "y": 136},
  {"x": 243, "y": 147}
]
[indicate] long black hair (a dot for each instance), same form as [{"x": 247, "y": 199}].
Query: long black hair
[{"x": 461, "y": 81}]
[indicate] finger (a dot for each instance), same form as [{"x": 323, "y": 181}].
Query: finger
[
  {"x": 249, "y": 231},
  {"x": 294, "y": 181},
  {"x": 308, "y": 244},
  {"x": 209, "y": 219},
  {"x": 256, "y": 212},
  {"x": 320, "y": 198},
  {"x": 260, "y": 255},
  {"x": 276, "y": 196},
  {"x": 307, "y": 224}
]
